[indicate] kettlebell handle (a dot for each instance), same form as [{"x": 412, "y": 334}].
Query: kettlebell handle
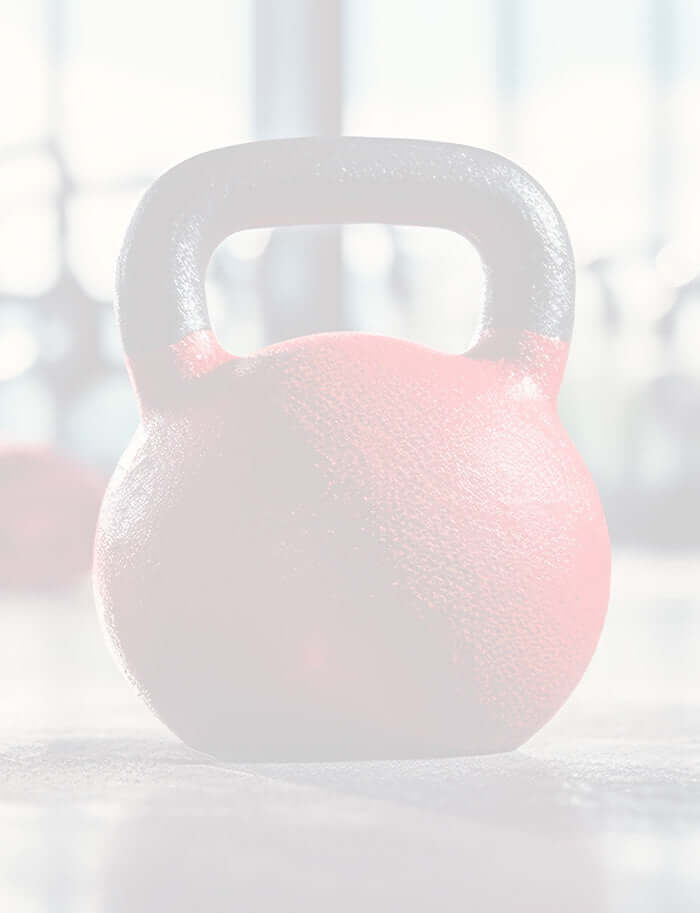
[{"x": 515, "y": 227}]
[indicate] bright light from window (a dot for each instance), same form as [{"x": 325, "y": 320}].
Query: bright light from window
[
  {"x": 23, "y": 77},
  {"x": 28, "y": 256},
  {"x": 643, "y": 297},
  {"x": 19, "y": 350},
  {"x": 679, "y": 262},
  {"x": 98, "y": 224},
  {"x": 165, "y": 100},
  {"x": 367, "y": 249},
  {"x": 249, "y": 245}
]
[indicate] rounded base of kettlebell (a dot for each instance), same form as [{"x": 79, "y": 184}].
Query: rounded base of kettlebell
[
  {"x": 324, "y": 745},
  {"x": 332, "y": 758}
]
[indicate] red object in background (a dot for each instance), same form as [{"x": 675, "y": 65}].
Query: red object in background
[{"x": 48, "y": 512}]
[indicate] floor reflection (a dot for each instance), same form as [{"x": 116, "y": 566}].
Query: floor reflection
[{"x": 103, "y": 810}]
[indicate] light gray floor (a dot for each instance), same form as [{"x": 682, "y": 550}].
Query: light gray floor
[{"x": 102, "y": 810}]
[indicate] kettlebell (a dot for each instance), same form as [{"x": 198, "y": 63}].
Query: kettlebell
[{"x": 349, "y": 546}]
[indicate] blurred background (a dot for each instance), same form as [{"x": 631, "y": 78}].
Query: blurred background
[{"x": 599, "y": 101}]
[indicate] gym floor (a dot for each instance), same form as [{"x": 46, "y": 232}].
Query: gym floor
[{"x": 103, "y": 810}]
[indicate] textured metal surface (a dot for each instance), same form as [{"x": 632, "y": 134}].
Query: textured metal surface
[
  {"x": 348, "y": 546},
  {"x": 352, "y": 546}
]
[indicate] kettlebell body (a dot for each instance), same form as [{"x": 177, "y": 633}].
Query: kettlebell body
[{"x": 345, "y": 545}]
